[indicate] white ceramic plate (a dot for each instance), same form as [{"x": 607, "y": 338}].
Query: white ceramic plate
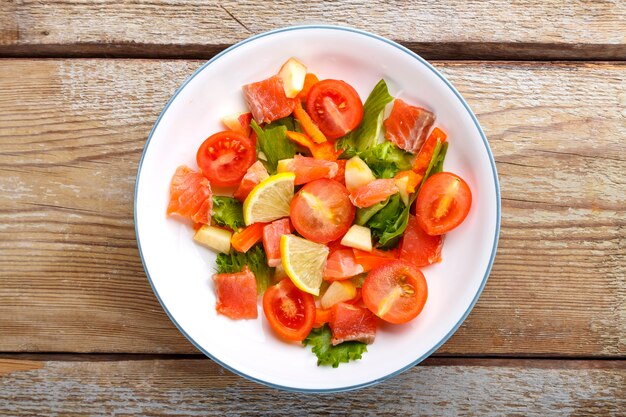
[{"x": 180, "y": 271}]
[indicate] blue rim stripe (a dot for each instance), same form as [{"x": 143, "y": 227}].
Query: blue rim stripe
[{"x": 495, "y": 178}]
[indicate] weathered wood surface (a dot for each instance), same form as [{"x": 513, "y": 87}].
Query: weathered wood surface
[
  {"x": 72, "y": 131},
  {"x": 450, "y": 29},
  {"x": 198, "y": 387}
]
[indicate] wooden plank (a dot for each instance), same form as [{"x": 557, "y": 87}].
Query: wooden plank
[
  {"x": 193, "y": 387},
  {"x": 437, "y": 30},
  {"x": 72, "y": 131}
]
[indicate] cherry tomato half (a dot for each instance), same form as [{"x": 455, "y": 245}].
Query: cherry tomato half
[
  {"x": 335, "y": 107},
  {"x": 443, "y": 203},
  {"x": 322, "y": 211},
  {"x": 289, "y": 311},
  {"x": 225, "y": 156},
  {"x": 396, "y": 291}
]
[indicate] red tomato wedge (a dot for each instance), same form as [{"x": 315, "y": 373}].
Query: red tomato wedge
[
  {"x": 238, "y": 122},
  {"x": 421, "y": 162},
  {"x": 324, "y": 150},
  {"x": 321, "y": 211},
  {"x": 267, "y": 100},
  {"x": 309, "y": 81},
  {"x": 248, "y": 237},
  {"x": 418, "y": 247},
  {"x": 350, "y": 322},
  {"x": 335, "y": 107},
  {"x": 309, "y": 169},
  {"x": 373, "y": 192},
  {"x": 253, "y": 176},
  {"x": 442, "y": 203},
  {"x": 374, "y": 259},
  {"x": 289, "y": 311},
  {"x": 396, "y": 292},
  {"x": 236, "y": 294},
  {"x": 407, "y": 126},
  {"x": 190, "y": 195},
  {"x": 271, "y": 239},
  {"x": 225, "y": 156},
  {"x": 341, "y": 265}
]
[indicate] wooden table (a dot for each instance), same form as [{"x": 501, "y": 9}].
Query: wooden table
[{"x": 81, "y": 84}]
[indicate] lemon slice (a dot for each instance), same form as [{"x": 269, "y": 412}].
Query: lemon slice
[
  {"x": 304, "y": 262},
  {"x": 270, "y": 199}
]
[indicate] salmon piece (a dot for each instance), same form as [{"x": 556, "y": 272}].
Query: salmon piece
[
  {"x": 271, "y": 239},
  {"x": 309, "y": 169},
  {"x": 341, "y": 265},
  {"x": 350, "y": 322},
  {"x": 190, "y": 195},
  {"x": 373, "y": 192},
  {"x": 236, "y": 294},
  {"x": 253, "y": 176},
  {"x": 267, "y": 100},
  {"x": 407, "y": 126}
]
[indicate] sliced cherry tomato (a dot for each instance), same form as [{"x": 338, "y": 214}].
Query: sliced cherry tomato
[
  {"x": 190, "y": 195},
  {"x": 374, "y": 259},
  {"x": 271, "y": 239},
  {"x": 407, "y": 126},
  {"x": 253, "y": 176},
  {"x": 225, "y": 157},
  {"x": 309, "y": 81},
  {"x": 418, "y": 247},
  {"x": 236, "y": 294},
  {"x": 322, "y": 211},
  {"x": 321, "y": 316},
  {"x": 248, "y": 237},
  {"x": 289, "y": 311},
  {"x": 373, "y": 192},
  {"x": 350, "y": 322},
  {"x": 335, "y": 107},
  {"x": 341, "y": 265},
  {"x": 396, "y": 292},
  {"x": 443, "y": 203}
]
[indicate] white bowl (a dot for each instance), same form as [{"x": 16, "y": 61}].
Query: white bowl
[{"x": 180, "y": 271}]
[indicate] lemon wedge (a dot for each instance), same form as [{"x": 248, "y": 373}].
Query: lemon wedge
[
  {"x": 270, "y": 199},
  {"x": 304, "y": 262}
]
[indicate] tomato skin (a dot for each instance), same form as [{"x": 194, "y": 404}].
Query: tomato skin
[
  {"x": 335, "y": 107},
  {"x": 396, "y": 292},
  {"x": 225, "y": 156},
  {"x": 236, "y": 294},
  {"x": 321, "y": 211},
  {"x": 443, "y": 203},
  {"x": 289, "y": 311},
  {"x": 418, "y": 247}
]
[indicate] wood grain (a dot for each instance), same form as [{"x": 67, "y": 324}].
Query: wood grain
[
  {"x": 194, "y": 387},
  {"x": 72, "y": 131},
  {"x": 527, "y": 29}
]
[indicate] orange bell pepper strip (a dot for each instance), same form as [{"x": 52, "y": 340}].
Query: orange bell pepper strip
[
  {"x": 325, "y": 150},
  {"x": 321, "y": 316},
  {"x": 309, "y": 81},
  {"x": 248, "y": 237},
  {"x": 307, "y": 124},
  {"x": 412, "y": 183},
  {"x": 420, "y": 165}
]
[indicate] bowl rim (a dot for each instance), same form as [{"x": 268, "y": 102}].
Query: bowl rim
[{"x": 487, "y": 148}]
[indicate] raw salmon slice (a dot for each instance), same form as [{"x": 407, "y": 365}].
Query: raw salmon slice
[
  {"x": 236, "y": 294},
  {"x": 253, "y": 176},
  {"x": 407, "y": 126},
  {"x": 190, "y": 195},
  {"x": 373, "y": 192},
  {"x": 349, "y": 322},
  {"x": 267, "y": 100}
]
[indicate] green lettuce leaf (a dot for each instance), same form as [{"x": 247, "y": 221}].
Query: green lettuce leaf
[
  {"x": 274, "y": 144},
  {"x": 327, "y": 354},
  {"x": 438, "y": 166},
  {"x": 288, "y": 122},
  {"x": 227, "y": 211},
  {"x": 386, "y": 159},
  {"x": 255, "y": 259},
  {"x": 363, "y": 215},
  {"x": 386, "y": 223},
  {"x": 366, "y": 134}
]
